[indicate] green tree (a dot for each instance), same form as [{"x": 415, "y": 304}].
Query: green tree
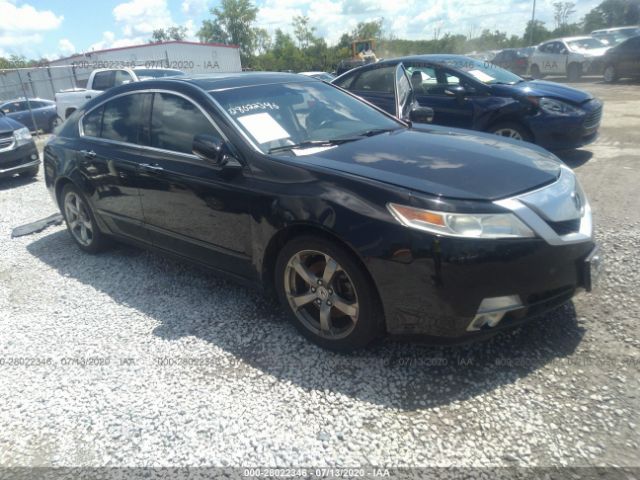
[
  {"x": 168, "y": 34},
  {"x": 612, "y": 13},
  {"x": 232, "y": 23},
  {"x": 365, "y": 30},
  {"x": 535, "y": 33},
  {"x": 562, "y": 12},
  {"x": 303, "y": 31}
]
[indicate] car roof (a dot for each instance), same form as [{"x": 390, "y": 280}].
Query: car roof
[
  {"x": 569, "y": 39},
  {"x": 615, "y": 29},
  {"x": 221, "y": 81},
  {"x": 22, "y": 99}
]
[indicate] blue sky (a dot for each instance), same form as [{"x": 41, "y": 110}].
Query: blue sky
[{"x": 55, "y": 28}]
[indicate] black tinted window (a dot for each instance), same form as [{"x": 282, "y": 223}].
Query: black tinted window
[
  {"x": 376, "y": 80},
  {"x": 123, "y": 118},
  {"x": 103, "y": 80},
  {"x": 174, "y": 123},
  {"x": 92, "y": 122}
]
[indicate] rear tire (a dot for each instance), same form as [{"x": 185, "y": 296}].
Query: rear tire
[
  {"x": 511, "y": 130},
  {"x": 574, "y": 72},
  {"x": 330, "y": 297},
  {"x": 54, "y": 123},
  {"x": 610, "y": 74},
  {"x": 32, "y": 172},
  {"x": 535, "y": 72},
  {"x": 81, "y": 221}
]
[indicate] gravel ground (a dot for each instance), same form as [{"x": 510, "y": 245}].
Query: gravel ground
[{"x": 131, "y": 359}]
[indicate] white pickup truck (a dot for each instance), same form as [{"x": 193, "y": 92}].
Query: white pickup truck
[{"x": 68, "y": 101}]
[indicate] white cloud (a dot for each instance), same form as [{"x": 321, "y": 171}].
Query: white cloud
[
  {"x": 413, "y": 19},
  {"x": 142, "y": 16},
  {"x": 25, "y": 18},
  {"x": 65, "y": 47},
  {"x": 22, "y": 27},
  {"x": 109, "y": 40},
  {"x": 194, "y": 7}
]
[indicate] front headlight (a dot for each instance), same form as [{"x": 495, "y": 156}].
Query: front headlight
[
  {"x": 467, "y": 225},
  {"x": 556, "y": 107},
  {"x": 22, "y": 136}
]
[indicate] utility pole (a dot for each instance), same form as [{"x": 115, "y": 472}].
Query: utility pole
[{"x": 533, "y": 24}]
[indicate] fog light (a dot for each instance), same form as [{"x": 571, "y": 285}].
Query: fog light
[
  {"x": 492, "y": 310},
  {"x": 34, "y": 156}
]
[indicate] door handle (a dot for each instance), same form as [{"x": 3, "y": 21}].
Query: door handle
[
  {"x": 150, "y": 168},
  {"x": 88, "y": 154},
  {"x": 87, "y": 97}
]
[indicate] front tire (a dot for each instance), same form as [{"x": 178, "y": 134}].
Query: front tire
[
  {"x": 610, "y": 74},
  {"x": 511, "y": 130},
  {"x": 331, "y": 298},
  {"x": 81, "y": 221}
]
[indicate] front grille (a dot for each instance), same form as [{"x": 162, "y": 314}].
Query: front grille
[
  {"x": 593, "y": 118},
  {"x": 6, "y": 143},
  {"x": 565, "y": 227}
]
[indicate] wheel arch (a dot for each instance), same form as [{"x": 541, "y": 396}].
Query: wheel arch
[{"x": 285, "y": 235}]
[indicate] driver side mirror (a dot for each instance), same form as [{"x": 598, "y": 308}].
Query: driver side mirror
[
  {"x": 420, "y": 114},
  {"x": 214, "y": 150}
]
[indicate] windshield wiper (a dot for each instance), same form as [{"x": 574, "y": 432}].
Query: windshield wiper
[
  {"x": 375, "y": 131},
  {"x": 313, "y": 143}
]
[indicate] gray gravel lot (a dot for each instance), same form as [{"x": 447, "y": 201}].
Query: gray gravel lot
[{"x": 131, "y": 359}]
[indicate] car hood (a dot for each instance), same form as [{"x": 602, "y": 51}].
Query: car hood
[
  {"x": 444, "y": 162},
  {"x": 8, "y": 125},
  {"x": 541, "y": 88},
  {"x": 593, "y": 52}
]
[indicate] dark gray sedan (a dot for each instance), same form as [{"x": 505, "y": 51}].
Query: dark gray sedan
[{"x": 42, "y": 116}]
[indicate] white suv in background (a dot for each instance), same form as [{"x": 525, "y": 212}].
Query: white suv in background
[{"x": 571, "y": 56}]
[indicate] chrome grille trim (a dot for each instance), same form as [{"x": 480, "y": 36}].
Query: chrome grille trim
[{"x": 540, "y": 208}]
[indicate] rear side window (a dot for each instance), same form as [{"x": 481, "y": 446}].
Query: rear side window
[
  {"x": 175, "y": 121},
  {"x": 345, "y": 82},
  {"x": 122, "y": 118},
  {"x": 376, "y": 80},
  {"x": 92, "y": 122},
  {"x": 103, "y": 80}
]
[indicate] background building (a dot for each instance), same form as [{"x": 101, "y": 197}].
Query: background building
[{"x": 71, "y": 72}]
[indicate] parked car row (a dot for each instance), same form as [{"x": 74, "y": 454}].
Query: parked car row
[{"x": 613, "y": 53}]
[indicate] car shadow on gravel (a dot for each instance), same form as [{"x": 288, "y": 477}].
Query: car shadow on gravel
[
  {"x": 7, "y": 183},
  {"x": 187, "y": 301}
]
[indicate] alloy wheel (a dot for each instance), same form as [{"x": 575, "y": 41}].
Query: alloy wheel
[
  {"x": 321, "y": 294},
  {"x": 509, "y": 132},
  {"x": 78, "y": 219}
]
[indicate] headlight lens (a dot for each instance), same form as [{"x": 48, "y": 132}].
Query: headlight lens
[
  {"x": 467, "y": 225},
  {"x": 556, "y": 107},
  {"x": 22, "y": 136}
]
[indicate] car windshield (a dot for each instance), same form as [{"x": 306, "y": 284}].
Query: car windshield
[
  {"x": 298, "y": 116},
  {"x": 157, "y": 73},
  {"x": 484, "y": 72},
  {"x": 585, "y": 44}
]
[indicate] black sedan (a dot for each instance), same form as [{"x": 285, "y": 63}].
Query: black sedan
[
  {"x": 513, "y": 59},
  {"x": 473, "y": 94},
  {"x": 363, "y": 224},
  {"x": 34, "y": 113},
  {"x": 18, "y": 152},
  {"x": 622, "y": 61}
]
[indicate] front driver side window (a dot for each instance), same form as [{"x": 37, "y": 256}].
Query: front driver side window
[{"x": 175, "y": 121}]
